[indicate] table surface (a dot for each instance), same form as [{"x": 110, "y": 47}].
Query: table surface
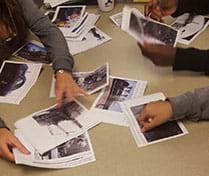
[{"x": 115, "y": 149}]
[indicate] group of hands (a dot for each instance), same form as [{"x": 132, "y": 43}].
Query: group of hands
[{"x": 154, "y": 113}]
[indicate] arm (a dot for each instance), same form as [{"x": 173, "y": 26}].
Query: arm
[
  {"x": 49, "y": 35},
  {"x": 57, "y": 49},
  {"x": 191, "y": 59},
  {"x": 192, "y": 6},
  {"x": 193, "y": 105}
]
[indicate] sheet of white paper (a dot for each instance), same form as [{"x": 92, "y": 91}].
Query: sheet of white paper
[
  {"x": 94, "y": 38},
  {"x": 117, "y": 19},
  {"x": 106, "y": 107},
  {"x": 91, "y": 82},
  {"x": 190, "y": 26},
  {"x": 75, "y": 152},
  {"x": 145, "y": 29},
  {"x": 169, "y": 130},
  {"x": 54, "y": 126},
  {"x": 16, "y": 79}
]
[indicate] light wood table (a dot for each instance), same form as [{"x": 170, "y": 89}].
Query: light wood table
[{"x": 115, "y": 149}]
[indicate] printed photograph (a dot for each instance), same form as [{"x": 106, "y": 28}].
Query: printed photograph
[
  {"x": 151, "y": 31},
  {"x": 33, "y": 52},
  {"x": 118, "y": 90},
  {"x": 68, "y": 16},
  {"x": 92, "y": 81},
  {"x": 12, "y": 77},
  {"x": 74, "y": 146},
  {"x": 165, "y": 130},
  {"x": 190, "y": 26},
  {"x": 60, "y": 120}
]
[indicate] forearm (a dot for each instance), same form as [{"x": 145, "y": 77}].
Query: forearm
[
  {"x": 193, "y": 105},
  {"x": 49, "y": 35},
  {"x": 192, "y": 59},
  {"x": 192, "y": 6}
]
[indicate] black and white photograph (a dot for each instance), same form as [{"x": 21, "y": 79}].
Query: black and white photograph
[
  {"x": 16, "y": 79},
  {"x": 33, "y": 51},
  {"x": 166, "y": 131},
  {"x": 94, "y": 38},
  {"x": 61, "y": 120},
  {"x": 190, "y": 26},
  {"x": 119, "y": 89},
  {"x": 54, "y": 126},
  {"x": 75, "y": 152},
  {"x": 147, "y": 30},
  {"x": 91, "y": 82}
]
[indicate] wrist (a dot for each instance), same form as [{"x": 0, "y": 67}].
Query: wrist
[{"x": 61, "y": 72}]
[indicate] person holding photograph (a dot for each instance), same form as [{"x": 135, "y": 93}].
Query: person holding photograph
[
  {"x": 181, "y": 59},
  {"x": 17, "y": 18},
  {"x": 193, "y": 105}
]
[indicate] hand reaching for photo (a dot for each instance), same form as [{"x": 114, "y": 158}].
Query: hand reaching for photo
[
  {"x": 7, "y": 142},
  {"x": 154, "y": 114},
  {"x": 66, "y": 87},
  {"x": 161, "y": 55},
  {"x": 156, "y": 9}
]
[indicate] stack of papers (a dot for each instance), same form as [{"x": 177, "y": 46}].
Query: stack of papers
[{"x": 78, "y": 27}]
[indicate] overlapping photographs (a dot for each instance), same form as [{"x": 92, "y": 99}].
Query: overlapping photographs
[
  {"x": 106, "y": 107},
  {"x": 66, "y": 17},
  {"x": 75, "y": 152},
  {"x": 166, "y": 131},
  {"x": 91, "y": 82},
  {"x": 117, "y": 19},
  {"x": 33, "y": 51},
  {"x": 190, "y": 26},
  {"x": 147, "y": 30},
  {"x": 54, "y": 126},
  {"x": 16, "y": 79},
  {"x": 94, "y": 37}
]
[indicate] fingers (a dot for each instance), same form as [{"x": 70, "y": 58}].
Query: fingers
[
  {"x": 6, "y": 153},
  {"x": 16, "y": 143}
]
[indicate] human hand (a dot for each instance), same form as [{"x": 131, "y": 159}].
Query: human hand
[
  {"x": 156, "y": 9},
  {"x": 7, "y": 142},
  {"x": 154, "y": 114},
  {"x": 161, "y": 55},
  {"x": 66, "y": 87}
]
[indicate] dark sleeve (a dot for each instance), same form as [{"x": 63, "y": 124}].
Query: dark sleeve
[
  {"x": 200, "y": 7},
  {"x": 192, "y": 59},
  {"x": 49, "y": 34},
  {"x": 2, "y": 124},
  {"x": 193, "y": 105}
]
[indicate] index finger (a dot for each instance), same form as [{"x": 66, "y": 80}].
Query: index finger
[{"x": 16, "y": 143}]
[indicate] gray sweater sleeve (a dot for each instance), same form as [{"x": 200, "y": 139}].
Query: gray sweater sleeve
[
  {"x": 2, "y": 124},
  {"x": 193, "y": 105},
  {"x": 49, "y": 34}
]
